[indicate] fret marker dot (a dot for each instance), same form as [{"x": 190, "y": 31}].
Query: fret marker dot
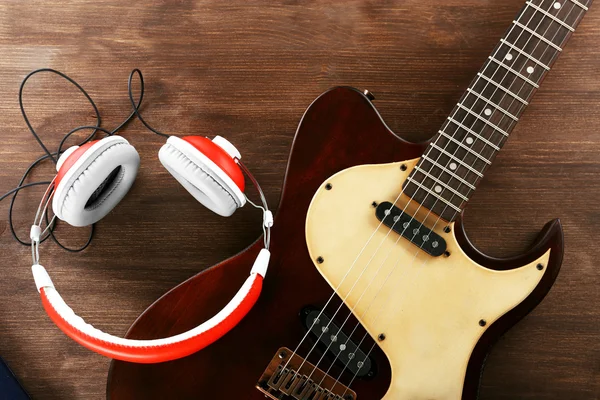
[
  {"x": 557, "y": 5},
  {"x": 509, "y": 56},
  {"x": 488, "y": 112},
  {"x": 453, "y": 166},
  {"x": 530, "y": 70},
  {"x": 469, "y": 140},
  {"x": 438, "y": 189}
]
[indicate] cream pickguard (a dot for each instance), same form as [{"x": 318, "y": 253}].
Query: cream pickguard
[{"x": 428, "y": 308}]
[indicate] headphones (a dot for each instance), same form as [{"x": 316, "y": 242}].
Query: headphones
[{"x": 92, "y": 179}]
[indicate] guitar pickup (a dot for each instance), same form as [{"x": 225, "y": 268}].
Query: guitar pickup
[
  {"x": 410, "y": 228},
  {"x": 337, "y": 343}
]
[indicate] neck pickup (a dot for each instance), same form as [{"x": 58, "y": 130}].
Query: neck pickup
[{"x": 411, "y": 229}]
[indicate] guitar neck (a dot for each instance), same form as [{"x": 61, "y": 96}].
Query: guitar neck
[{"x": 488, "y": 111}]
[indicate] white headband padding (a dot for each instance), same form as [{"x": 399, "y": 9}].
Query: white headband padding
[
  {"x": 201, "y": 177},
  {"x": 88, "y": 173},
  {"x": 78, "y": 323}
]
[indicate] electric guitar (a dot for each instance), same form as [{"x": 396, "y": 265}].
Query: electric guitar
[{"x": 415, "y": 307}]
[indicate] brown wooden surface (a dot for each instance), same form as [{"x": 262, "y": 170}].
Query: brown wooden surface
[{"x": 248, "y": 73}]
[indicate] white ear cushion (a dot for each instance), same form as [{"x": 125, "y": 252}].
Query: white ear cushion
[
  {"x": 199, "y": 177},
  {"x": 87, "y": 176}
]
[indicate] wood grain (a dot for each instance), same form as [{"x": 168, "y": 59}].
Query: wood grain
[{"x": 247, "y": 72}]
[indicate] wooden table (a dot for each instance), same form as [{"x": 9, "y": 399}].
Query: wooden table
[{"x": 247, "y": 73}]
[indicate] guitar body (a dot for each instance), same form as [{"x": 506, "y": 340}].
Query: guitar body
[{"x": 430, "y": 310}]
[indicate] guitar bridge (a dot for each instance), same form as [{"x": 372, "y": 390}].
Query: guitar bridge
[{"x": 289, "y": 377}]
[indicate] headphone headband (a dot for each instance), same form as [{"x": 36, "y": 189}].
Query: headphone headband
[
  {"x": 156, "y": 350},
  {"x": 142, "y": 351}
]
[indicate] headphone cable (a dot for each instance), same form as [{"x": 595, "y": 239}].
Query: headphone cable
[{"x": 55, "y": 155}]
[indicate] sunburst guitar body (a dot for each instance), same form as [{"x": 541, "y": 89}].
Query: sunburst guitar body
[{"x": 426, "y": 322}]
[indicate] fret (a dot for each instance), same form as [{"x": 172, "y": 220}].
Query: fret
[
  {"x": 496, "y": 106},
  {"x": 529, "y": 44},
  {"x": 479, "y": 117},
  {"x": 518, "y": 50},
  {"x": 518, "y": 74},
  {"x": 499, "y": 86},
  {"x": 552, "y": 17},
  {"x": 506, "y": 74},
  {"x": 476, "y": 154},
  {"x": 467, "y": 143},
  {"x": 458, "y": 210},
  {"x": 452, "y": 174},
  {"x": 478, "y": 136},
  {"x": 579, "y": 4},
  {"x": 537, "y": 35},
  {"x": 499, "y": 97},
  {"x": 446, "y": 186},
  {"x": 509, "y": 79},
  {"x": 458, "y": 160},
  {"x": 571, "y": 13}
]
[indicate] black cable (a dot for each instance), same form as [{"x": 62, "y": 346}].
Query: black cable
[
  {"x": 5, "y": 195},
  {"x": 136, "y": 109},
  {"x": 51, "y": 234},
  {"x": 31, "y": 166},
  {"x": 54, "y": 155},
  {"x": 10, "y": 222},
  {"x": 33, "y": 132}
]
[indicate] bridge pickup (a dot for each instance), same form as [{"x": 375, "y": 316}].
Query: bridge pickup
[
  {"x": 290, "y": 377},
  {"x": 410, "y": 228},
  {"x": 337, "y": 343}
]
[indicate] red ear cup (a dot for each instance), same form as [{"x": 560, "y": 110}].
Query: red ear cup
[
  {"x": 71, "y": 158},
  {"x": 207, "y": 170},
  {"x": 220, "y": 157}
]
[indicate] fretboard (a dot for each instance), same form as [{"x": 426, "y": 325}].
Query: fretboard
[{"x": 483, "y": 119}]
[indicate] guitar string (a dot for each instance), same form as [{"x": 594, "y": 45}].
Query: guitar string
[
  {"x": 334, "y": 294},
  {"x": 553, "y": 57},
  {"x": 372, "y": 347},
  {"x": 347, "y": 273},
  {"x": 389, "y": 253},
  {"x": 361, "y": 363}
]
